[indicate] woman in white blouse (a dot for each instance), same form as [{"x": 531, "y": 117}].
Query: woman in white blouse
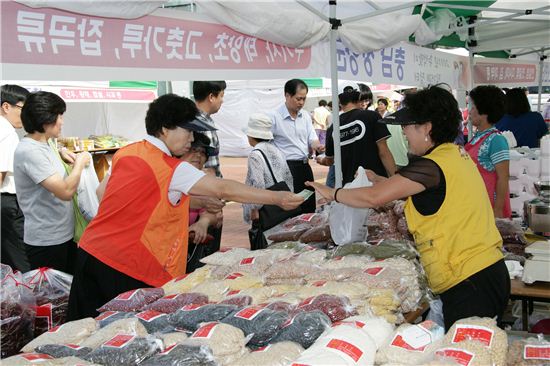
[{"x": 260, "y": 138}]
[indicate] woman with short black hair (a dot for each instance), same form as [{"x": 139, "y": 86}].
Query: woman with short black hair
[
  {"x": 448, "y": 211},
  {"x": 44, "y": 189},
  {"x": 528, "y": 127},
  {"x": 488, "y": 148}
]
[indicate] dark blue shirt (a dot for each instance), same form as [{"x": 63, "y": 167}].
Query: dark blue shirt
[{"x": 527, "y": 128}]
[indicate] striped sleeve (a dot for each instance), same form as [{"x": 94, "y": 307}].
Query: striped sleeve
[{"x": 498, "y": 149}]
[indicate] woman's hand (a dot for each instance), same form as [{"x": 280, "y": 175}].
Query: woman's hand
[
  {"x": 326, "y": 192},
  {"x": 213, "y": 205},
  {"x": 287, "y": 200},
  {"x": 200, "y": 230},
  {"x": 373, "y": 177},
  {"x": 83, "y": 159},
  {"x": 68, "y": 156}
]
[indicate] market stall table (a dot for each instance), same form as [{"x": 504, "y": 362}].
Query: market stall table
[
  {"x": 540, "y": 291},
  {"x": 101, "y": 162}
]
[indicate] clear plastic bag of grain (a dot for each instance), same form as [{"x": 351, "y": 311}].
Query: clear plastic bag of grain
[
  {"x": 482, "y": 330},
  {"x": 411, "y": 344},
  {"x": 123, "y": 326},
  {"x": 182, "y": 355},
  {"x": 213, "y": 289},
  {"x": 530, "y": 351},
  {"x": 226, "y": 257},
  {"x": 72, "y": 332},
  {"x": 125, "y": 350},
  {"x": 466, "y": 353},
  {"x": 226, "y": 341},
  {"x": 186, "y": 282},
  {"x": 277, "y": 354}
]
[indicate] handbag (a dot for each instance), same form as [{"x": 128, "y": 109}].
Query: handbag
[
  {"x": 256, "y": 236},
  {"x": 272, "y": 215}
]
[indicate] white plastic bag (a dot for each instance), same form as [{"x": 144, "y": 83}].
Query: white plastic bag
[
  {"x": 86, "y": 192},
  {"x": 348, "y": 224}
]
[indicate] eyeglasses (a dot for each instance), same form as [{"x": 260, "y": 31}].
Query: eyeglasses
[{"x": 18, "y": 106}]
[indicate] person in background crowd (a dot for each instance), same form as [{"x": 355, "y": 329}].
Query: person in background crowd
[
  {"x": 488, "y": 148},
  {"x": 528, "y": 127},
  {"x": 447, "y": 209},
  {"x": 382, "y": 107},
  {"x": 365, "y": 96},
  {"x": 362, "y": 140},
  {"x": 264, "y": 152},
  {"x": 139, "y": 237},
  {"x": 320, "y": 120},
  {"x": 44, "y": 190},
  {"x": 546, "y": 112},
  {"x": 13, "y": 247},
  {"x": 397, "y": 143},
  {"x": 294, "y": 135},
  {"x": 209, "y": 99},
  {"x": 199, "y": 218}
]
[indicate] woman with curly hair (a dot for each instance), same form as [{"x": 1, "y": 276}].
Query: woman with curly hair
[
  {"x": 447, "y": 209},
  {"x": 488, "y": 148}
]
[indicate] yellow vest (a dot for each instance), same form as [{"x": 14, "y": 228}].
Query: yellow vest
[{"x": 461, "y": 238}]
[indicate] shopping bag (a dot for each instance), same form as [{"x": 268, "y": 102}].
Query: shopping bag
[
  {"x": 348, "y": 224},
  {"x": 256, "y": 236},
  {"x": 86, "y": 192}
]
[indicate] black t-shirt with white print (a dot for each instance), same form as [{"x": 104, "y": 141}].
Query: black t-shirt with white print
[{"x": 359, "y": 132}]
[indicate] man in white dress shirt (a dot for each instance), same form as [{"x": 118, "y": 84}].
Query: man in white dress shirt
[
  {"x": 294, "y": 135},
  {"x": 13, "y": 249}
]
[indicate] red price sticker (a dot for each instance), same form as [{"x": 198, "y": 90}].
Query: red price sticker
[
  {"x": 105, "y": 315},
  {"x": 461, "y": 357},
  {"x": 234, "y": 275},
  {"x": 191, "y": 307},
  {"x": 374, "y": 271},
  {"x": 205, "y": 331},
  {"x": 34, "y": 357},
  {"x": 536, "y": 352},
  {"x": 346, "y": 348},
  {"x": 119, "y": 341},
  {"x": 474, "y": 332},
  {"x": 149, "y": 315},
  {"x": 399, "y": 342},
  {"x": 127, "y": 295},
  {"x": 247, "y": 261},
  {"x": 249, "y": 313}
]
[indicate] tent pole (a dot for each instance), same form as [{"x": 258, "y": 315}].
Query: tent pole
[
  {"x": 541, "y": 65},
  {"x": 472, "y": 79},
  {"x": 334, "y": 88}
]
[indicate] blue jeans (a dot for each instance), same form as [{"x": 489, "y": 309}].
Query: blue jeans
[{"x": 331, "y": 177}]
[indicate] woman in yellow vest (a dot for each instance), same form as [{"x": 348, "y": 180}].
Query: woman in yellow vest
[{"x": 447, "y": 210}]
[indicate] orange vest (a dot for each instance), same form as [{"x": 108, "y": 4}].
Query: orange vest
[{"x": 137, "y": 231}]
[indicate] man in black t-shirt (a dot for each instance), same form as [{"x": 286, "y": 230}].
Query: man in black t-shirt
[{"x": 362, "y": 140}]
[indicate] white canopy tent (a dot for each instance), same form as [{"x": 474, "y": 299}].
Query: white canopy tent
[{"x": 361, "y": 25}]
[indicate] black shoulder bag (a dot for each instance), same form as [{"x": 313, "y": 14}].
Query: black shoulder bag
[{"x": 271, "y": 215}]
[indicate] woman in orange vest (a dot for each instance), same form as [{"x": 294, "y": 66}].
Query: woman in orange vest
[
  {"x": 447, "y": 209},
  {"x": 139, "y": 237}
]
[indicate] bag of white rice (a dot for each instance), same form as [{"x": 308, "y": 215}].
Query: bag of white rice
[
  {"x": 411, "y": 344},
  {"x": 278, "y": 354},
  {"x": 71, "y": 332}
]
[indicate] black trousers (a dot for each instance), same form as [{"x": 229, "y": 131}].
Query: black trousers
[
  {"x": 14, "y": 253},
  {"x": 484, "y": 294},
  {"x": 94, "y": 284},
  {"x": 302, "y": 173},
  {"x": 61, "y": 257}
]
